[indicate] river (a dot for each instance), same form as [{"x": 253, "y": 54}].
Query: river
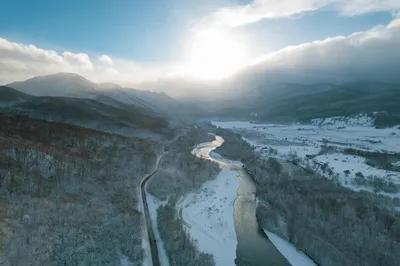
[{"x": 254, "y": 248}]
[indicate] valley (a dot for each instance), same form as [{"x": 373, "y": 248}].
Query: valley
[
  {"x": 200, "y": 133},
  {"x": 98, "y": 175}
]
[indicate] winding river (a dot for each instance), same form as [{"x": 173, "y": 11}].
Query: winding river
[{"x": 254, "y": 248}]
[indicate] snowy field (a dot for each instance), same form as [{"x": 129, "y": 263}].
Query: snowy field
[
  {"x": 305, "y": 141},
  {"x": 208, "y": 217}
]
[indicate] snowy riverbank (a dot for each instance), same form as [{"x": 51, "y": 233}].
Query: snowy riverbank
[
  {"x": 289, "y": 251},
  {"x": 209, "y": 219}
]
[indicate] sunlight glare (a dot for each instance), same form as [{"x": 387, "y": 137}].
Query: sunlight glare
[{"x": 215, "y": 55}]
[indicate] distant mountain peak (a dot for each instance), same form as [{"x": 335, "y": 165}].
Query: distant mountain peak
[
  {"x": 60, "y": 84},
  {"x": 108, "y": 85}
]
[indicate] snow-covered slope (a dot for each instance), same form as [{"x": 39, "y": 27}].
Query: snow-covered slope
[{"x": 360, "y": 120}]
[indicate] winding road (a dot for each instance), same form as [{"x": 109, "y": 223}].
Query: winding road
[{"x": 149, "y": 225}]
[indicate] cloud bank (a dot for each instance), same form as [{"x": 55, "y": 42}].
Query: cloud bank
[
  {"x": 257, "y": 10},
  {"x": 372, "y": 55},
  {"x": 369, "y": 55},
  {"x": 22, "y": 61}
]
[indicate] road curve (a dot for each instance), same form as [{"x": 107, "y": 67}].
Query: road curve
[{"x": 149, "y": 226}]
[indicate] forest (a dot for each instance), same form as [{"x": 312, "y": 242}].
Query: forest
[
  {"x": 180, "y": 173},
  {"x": 68, "y": 195},
  {"x": 332, "y": 224}
]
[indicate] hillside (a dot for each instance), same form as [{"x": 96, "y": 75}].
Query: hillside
[
  {"x": 300, "y": 102},
  {"x": 8, "y": 94},
  {"x": 73, "y": 85},
  {"x": 155, "y": 101},
  {"x": 68, "y": 194},
  {"x": 126, "y": 120}
]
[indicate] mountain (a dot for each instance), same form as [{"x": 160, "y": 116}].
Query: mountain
[
  {"x": 103, "y": 113},
  {"x": 61, "y": 84},
  {"x": 156, "y": 101},
  {"x": 8, "y": 94},
  {"x": 73, "y": 85},
  {"x": 107, "y": 85},
  {"x": 303, "y": 102}
]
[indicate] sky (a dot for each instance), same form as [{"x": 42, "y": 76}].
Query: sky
[{"x": 135, "y": 41}]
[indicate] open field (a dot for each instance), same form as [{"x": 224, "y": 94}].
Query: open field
[{"x": 357, "y": 155}]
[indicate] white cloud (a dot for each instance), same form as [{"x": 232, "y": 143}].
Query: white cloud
[
  {"x": 257, "y": 10},
  {"x": 21, "y": 61},
  {"x": 369, "y": 55},
  {"x": 372, "y": 55},
  {"x": 356, "y": 7},
  {"x": 80, "y": 60},
  {"x": 106, "y": 60}
]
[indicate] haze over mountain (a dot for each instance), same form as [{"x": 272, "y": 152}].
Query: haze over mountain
[
  {"x": 73, "y": 85},
  {"x": 369, "y": 55},
  {"x": 98, "y": 112},
  {"x": 263, "y": 98},
  {"x": 61, "y": 84},
  {"x": 293, "y": 102}
]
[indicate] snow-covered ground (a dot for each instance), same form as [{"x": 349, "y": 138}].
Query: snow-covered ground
[
  {"x": 209, "y": 219},
  {"x": 153, "y": 204},
  {"x": 284, "y": 141},
  {"x": 361, "y": 137},
  {"x": 341, "y": 121},
  {"x": 294, "y": 256}
]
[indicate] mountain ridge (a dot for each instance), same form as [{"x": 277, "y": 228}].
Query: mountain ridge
[{"x": 74, "y": 85}]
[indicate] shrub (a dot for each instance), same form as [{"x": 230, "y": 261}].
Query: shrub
[{"x": 359, "y": 174}]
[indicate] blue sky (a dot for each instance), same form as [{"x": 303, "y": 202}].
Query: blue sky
[
  {"x": 155, "y": 30},
  {"x": 134, "y": 29},
  {"x": 133, "y": 41}
]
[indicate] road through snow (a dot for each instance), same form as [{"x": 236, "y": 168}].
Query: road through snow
[{"x": 149, "y": 226}]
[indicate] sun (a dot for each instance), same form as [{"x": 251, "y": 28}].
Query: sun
[{"x": 215, "y": 55}]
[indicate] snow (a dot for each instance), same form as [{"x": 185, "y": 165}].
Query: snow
[
  {"x": 124, "y": 261},
  {"x": 361, "y": 137},
  {"x": 147, "y": 261},
  {"x": 306, "y": 141},
  {"x": 340, "y": 121},
  {"x": 295, "y": 257},
  {"x": 341, "y": 162},
  {"x": 209, "y": 219},
  {"x": 153, "y": 204}
]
